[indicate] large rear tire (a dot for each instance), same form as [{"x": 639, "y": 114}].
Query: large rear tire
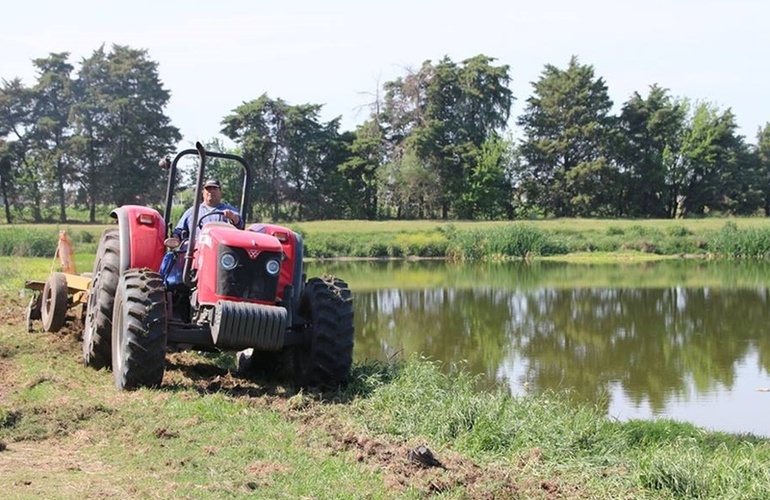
[
  {"x": 327, "y": 355},
  {"x": 101, "y": 301},
  {"x": 139, "y": 330},
  {"x": 53, "y": 307}
]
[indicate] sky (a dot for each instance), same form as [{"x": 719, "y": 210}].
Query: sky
[{"x": 214, "y": 56}]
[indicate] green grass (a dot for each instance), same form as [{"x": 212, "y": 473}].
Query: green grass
[
  {"x": 736, "y": 238},
  {"x": 68, "y": 433},
  {"x": 14, "y": 271}
]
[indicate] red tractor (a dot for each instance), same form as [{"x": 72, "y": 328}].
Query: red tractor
[{"x": 222, "y": 289}]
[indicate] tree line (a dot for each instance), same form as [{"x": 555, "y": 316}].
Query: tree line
[{"x": 437, "y": 143}]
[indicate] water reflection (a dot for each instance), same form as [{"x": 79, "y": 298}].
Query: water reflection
[{"x": 643, "y": 340}]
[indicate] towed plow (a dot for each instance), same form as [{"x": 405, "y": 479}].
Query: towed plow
[{"x": 56, "y": 300}]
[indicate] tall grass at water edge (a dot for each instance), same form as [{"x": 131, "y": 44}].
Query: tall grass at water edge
[
  {"x": 510, "y": 241},
  {"x": 526, "y": 240},
  {"x": 468, "y": 241},
  {"x": 748, "y": 243},
  {"x": 551, "y": 435}
]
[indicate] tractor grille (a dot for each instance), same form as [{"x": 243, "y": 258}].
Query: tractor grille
[{"x": 249, "y": 279}]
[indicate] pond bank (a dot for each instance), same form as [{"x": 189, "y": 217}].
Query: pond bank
[{"x": 467, "y": 241}]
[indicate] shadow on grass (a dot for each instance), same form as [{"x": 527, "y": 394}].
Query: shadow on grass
[{"x": 209, "y": 373}]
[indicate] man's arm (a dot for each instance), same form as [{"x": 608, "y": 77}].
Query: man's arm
[
  {"x": 182, "y": 229},
  {"x": 232, "y": 214}
]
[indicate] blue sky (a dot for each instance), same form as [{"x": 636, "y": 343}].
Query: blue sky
[{"x": 213, "y": 56}]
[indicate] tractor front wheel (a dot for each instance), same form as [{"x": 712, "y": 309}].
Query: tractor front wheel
[
  {"x": 327, "y": 355},
  {"x": 139, "y": 330}
]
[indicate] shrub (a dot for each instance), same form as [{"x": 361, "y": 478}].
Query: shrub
[
  {"x": 679, "y": 231},
  {"x": 749, "y": 243},
  {"x": 23, "y": 242}
]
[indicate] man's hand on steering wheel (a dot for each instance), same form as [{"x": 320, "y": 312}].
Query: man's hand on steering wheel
[{"x": 232, "y": 217}]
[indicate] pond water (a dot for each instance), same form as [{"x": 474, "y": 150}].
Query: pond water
[{"x": 688, "y": 340}]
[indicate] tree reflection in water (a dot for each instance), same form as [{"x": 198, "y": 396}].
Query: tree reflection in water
[{"x": 651, "y": 335}]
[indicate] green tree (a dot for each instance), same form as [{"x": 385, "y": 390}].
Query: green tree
[
  {"x": 290, "y": 149},
  {"x": 257, "y": 127},
  {"x": 122, "y": 128},
  {"x": 409, "y": 187},
  {"x": 22, "y": 176},
  {"x": 746, "y": 193},
  {"x": 443, "y": 114},
  {"x": 6, "y": 174},
  {"x": 488, "y": 190},
  {"x": 367, "y": 156},
  {"x": 565, "y": 152},
  {"x": 707, "y": 173},
  {"x": 332, "y": 184},
  {"x": 763, "y": 160},
  {"x": 50, "y": 132},
  {"x": 649, "y": 128}
]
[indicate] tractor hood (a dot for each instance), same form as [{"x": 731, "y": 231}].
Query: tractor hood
[
  {"x": 237, "y": 265},
  {"x": 215, "y": 234}
]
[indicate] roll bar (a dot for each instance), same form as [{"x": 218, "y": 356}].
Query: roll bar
[{"x": 202, "y": 154}]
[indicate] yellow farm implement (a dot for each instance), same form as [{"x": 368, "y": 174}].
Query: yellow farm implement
[{"x": 62, "y": 291}]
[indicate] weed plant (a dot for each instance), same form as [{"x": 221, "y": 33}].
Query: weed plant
[{"x": 749, "y": 243}]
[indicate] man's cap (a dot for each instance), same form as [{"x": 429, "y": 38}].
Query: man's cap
[{"x": 212, "y": 183}]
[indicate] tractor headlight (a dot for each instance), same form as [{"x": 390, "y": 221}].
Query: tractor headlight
[
  {"x": 272, "y": 267},
  {"x": 228, "y": 261}
]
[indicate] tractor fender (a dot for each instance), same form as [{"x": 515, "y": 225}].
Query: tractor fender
[{"x": 142, "y": 232}]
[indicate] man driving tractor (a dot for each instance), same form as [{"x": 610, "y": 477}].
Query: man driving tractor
[{"x": 212, "y": 202}]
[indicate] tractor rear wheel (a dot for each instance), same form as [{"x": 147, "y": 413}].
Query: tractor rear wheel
[
  {"x": 53, "y": 307},
  {"x": 327, "y": 355},
  {"x": 139, "y": 330},
  {"x": 101, "y": 300}
]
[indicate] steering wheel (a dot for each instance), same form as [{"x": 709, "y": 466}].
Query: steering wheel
[{"x": 211, "y": 214}]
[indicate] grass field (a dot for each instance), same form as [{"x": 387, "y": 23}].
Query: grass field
[
  {"x": 464, "y": 241},
  {"x": 389, "y": 226},
  {"x": 568, "y": 224}
]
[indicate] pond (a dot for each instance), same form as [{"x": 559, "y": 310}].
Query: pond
[{"x": 684, "y": 339}]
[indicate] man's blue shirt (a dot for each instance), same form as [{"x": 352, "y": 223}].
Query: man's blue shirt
[{"x": 183, "y": 227}]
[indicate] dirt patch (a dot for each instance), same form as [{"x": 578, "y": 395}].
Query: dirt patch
[
  {"x": 12, "y": 309},
  {"x": 444, "y": 472},
  {"x": 262, "y": 472}
]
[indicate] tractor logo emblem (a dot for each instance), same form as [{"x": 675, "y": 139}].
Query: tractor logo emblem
[{"x": 252, "y": 253}]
